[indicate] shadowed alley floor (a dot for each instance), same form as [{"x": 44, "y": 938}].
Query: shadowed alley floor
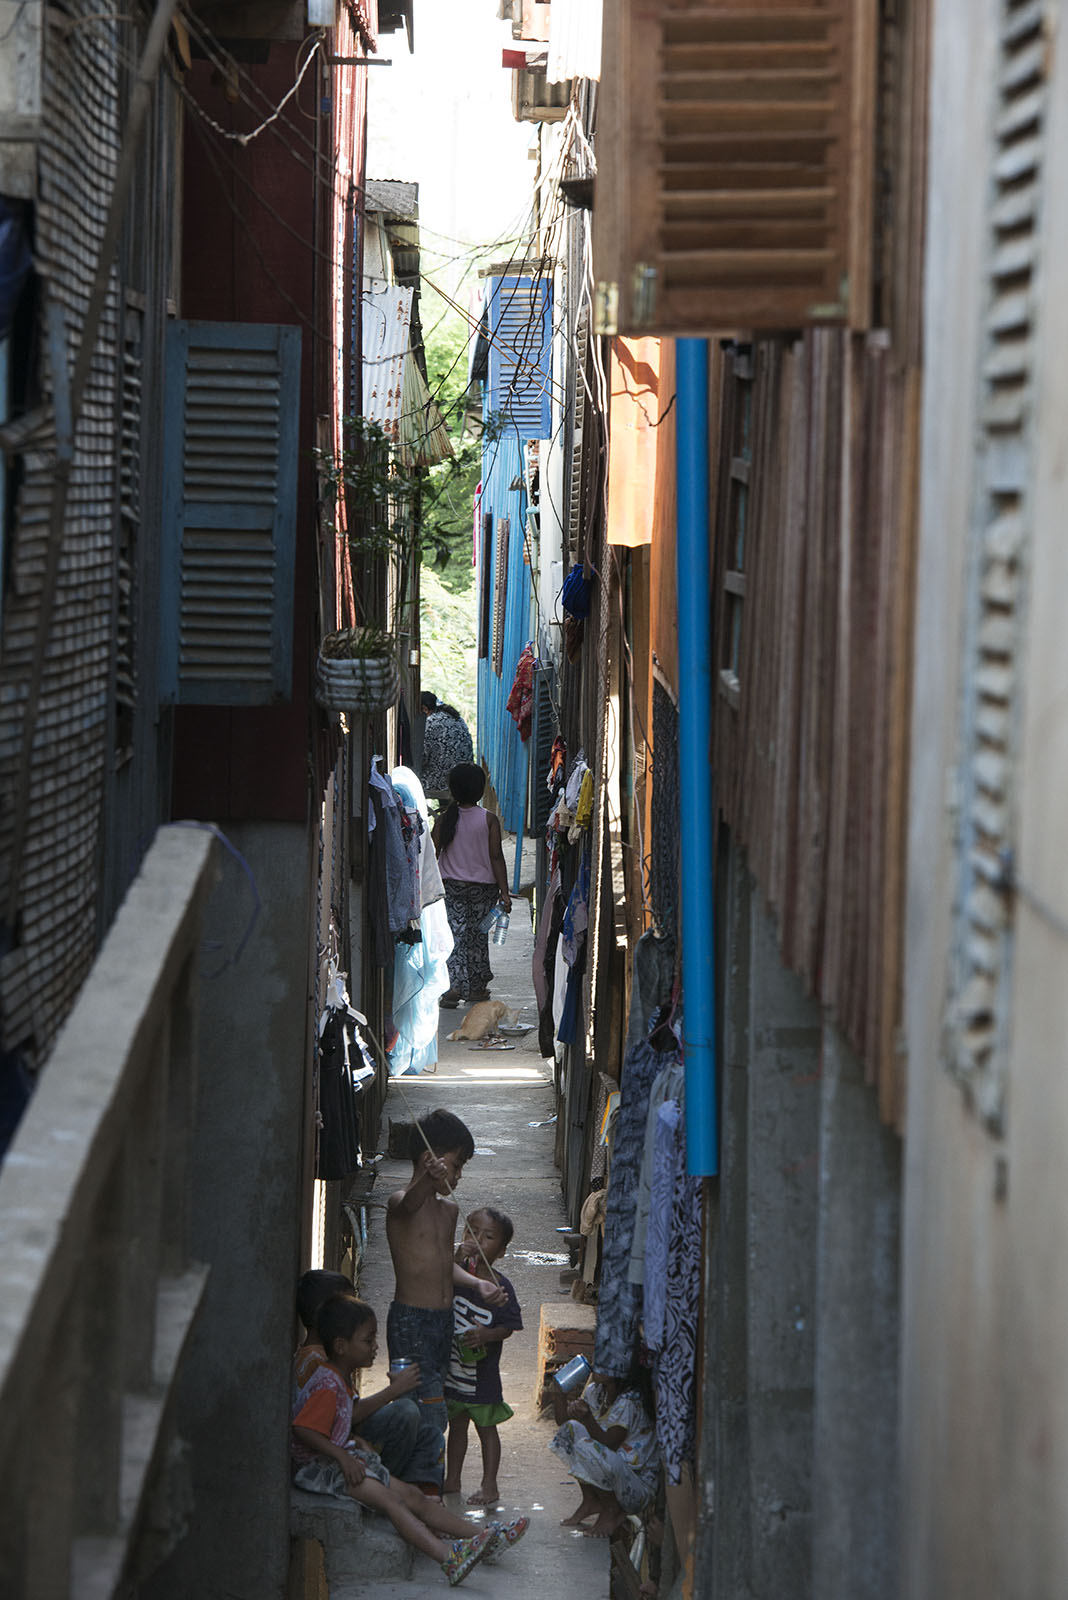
[{"x": 505, "y": 1098}]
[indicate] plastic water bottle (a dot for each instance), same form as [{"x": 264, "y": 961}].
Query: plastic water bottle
[
  {"x": 489, "y": 921},
  {"x": 500, "y": 932}
]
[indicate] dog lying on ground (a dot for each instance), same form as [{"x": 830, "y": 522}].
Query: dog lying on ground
[{"x": 484, "y": 1018}]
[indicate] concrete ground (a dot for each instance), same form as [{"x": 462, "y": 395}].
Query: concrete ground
[{"x": 506, "y": 1100}]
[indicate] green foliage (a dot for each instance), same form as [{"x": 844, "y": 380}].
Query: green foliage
[
  {"x": 450, "y": 487},
  {"x": 379, "y": 495},
  {"x": 449, "y": 641}
]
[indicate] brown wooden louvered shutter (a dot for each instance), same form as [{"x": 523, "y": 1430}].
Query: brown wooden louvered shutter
[{"x": 735, "y": 179}]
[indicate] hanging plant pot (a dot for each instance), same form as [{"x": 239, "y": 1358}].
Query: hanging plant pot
[{"x": 356, "y": 670}]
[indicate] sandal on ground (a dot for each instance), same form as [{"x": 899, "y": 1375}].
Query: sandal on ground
[
  {"x": 483, "y": 994},
  {"x": 503, "y": 1535},
  {"x": 464, "y": 1555},
  {"x": 450, "y": 1000}
]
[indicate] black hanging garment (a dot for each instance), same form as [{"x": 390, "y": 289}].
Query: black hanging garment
[{"x": 339, "y": 1135}]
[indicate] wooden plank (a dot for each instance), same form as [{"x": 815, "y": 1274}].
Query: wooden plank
[{"x": 891, "y": 1079}]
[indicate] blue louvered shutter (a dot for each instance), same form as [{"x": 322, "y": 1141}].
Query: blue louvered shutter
[
  {"x": 229, "y": 513},
  {"x": 521, "y": 354}
]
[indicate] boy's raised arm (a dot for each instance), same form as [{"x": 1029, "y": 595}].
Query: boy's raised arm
[{"x": 421, "y": 1186}]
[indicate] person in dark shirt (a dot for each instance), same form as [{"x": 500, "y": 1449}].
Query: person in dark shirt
[
  {"x": 446, "y": 743},
  {"x": 473, "y": 1390}
]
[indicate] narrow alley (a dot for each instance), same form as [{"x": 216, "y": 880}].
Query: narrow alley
[
  {"x": 506, "y": 1099},
  {"x": 598, "y": 462}
]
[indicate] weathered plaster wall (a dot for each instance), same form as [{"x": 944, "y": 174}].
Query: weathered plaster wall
[
  {"x": 855, "y": 1447},
  {"x": 798, "y": 1475},
  {"x": 959, "y": 1340},
  {"x": 1035, "y": 1442},
  {"x": 234, "y": 1408},
  {"x": 760, "y": 1309}
]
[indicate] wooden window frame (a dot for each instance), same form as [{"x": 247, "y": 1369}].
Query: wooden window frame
[{"x": 736, "y": 145}]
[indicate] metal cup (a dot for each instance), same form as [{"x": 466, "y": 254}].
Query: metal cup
[
  {"x": 573, "y": 1376},
  {"x": 400, "y": 1365}
]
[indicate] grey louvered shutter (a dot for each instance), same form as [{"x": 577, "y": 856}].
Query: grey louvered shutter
[
  {"x": 978, "y": 1020},
  {"x": 544, "y": 733},
  {"x": 230, "y": 485},
  {"x": 521, "y": 355}
]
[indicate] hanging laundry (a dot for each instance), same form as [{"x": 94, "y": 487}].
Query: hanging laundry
[
  {"x": 619, "y": 1305},
  {"x": 420, "y": 971},
  {"x": 569, "y": 1028},
  {"x": 676, "y": 1299},
  {"x": 573, "y": 787},
  {"x": 344, "y": 1066},
  {"x": 653, "y": 976},
  {"x": 520, "y": 701},
  {"x": 584, "y": 808},
  {"x": 544, "y": 963},
  {"x": 394, "y": 865},
  {"x": 667, "y": 1087},
  {"x": 377, "y": 897},
  {"x": 577, "y": 916},
  {"x": 591, "y": 1226}
]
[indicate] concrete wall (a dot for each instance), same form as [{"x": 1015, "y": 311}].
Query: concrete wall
[
  {"x": 760, "y": 1311},
  {"x": 1036, "y": 1283},
  {"x": 234, "y": 1409},
  {"x": 798, "y": 1477},
  {"x": 951, "y": 1246},
  {"x": 855, "y": 1449},
  {"x": 984, "y": 1376}
]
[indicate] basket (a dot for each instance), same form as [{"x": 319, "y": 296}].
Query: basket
[{"x": 356, "y": 683}]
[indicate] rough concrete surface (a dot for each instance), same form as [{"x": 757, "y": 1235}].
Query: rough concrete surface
[
  {"x": 357, "y": 1545},
  {"x": 506, "y": 1099}
]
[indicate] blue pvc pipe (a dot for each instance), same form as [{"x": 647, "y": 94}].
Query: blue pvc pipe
[{"x": 697, "y": 832}]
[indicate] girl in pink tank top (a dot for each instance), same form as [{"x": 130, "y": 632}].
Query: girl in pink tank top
[{"x": 468, "y": 843}]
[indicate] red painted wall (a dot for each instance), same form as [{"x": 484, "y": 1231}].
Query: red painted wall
[{"x": 248, "y": 226}]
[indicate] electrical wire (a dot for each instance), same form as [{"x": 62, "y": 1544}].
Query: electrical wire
[
  {"x": 245, "y": 139},
  {"x": 280, "y": 126}
]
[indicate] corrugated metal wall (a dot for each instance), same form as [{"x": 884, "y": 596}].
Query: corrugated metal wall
[{"x": 499, "y": 744}]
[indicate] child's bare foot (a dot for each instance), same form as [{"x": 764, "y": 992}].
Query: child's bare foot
[
  {"x": 608, "y": 1523},
  {"x": 577, "y": 1518},
  {"x": 486, "y": 1496},
  {"x": 448, "y": 1487}
]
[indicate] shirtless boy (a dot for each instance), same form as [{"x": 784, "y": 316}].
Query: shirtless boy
[{"x": 421, "y": 1228}]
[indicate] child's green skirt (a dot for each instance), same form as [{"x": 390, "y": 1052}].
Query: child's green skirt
[{"x": 483, "y": 1416}]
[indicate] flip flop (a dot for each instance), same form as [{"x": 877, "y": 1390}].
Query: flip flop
[{"x": 493, "y": 1044}]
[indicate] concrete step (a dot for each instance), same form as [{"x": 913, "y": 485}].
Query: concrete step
[{"x": 358, "y": 1546}]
